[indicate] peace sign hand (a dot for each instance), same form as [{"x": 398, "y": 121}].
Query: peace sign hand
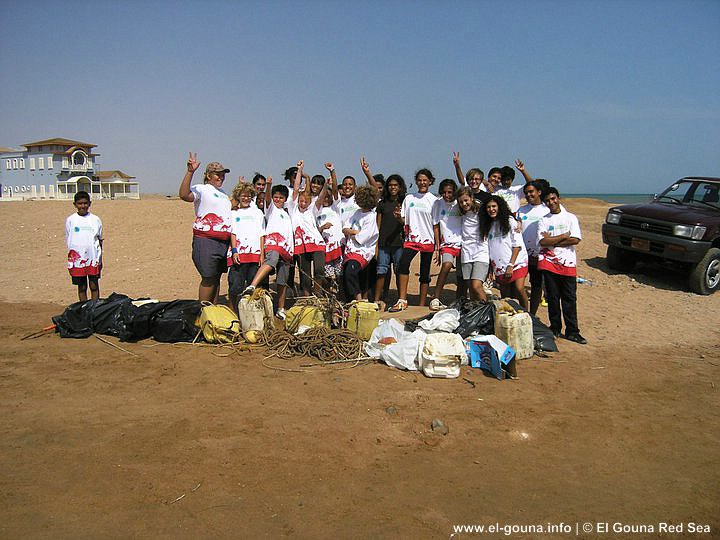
[
  {"x": 192, "y": 162},
  {"x": 456, "y": 158}
]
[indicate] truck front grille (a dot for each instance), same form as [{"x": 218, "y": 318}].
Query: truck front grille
[{"x": 644, "y": 224}]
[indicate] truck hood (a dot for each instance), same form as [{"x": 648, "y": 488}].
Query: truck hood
[{"x": 671, "y": 212}]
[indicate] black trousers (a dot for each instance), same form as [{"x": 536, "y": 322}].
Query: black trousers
[
  {"x": 561, "y": 291},
  {"x": 353, "y": 279}
]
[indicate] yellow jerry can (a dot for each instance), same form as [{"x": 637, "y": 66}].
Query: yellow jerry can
[{"x": 363, "y": 318}]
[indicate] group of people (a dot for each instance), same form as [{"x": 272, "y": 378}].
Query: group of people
[{"x": 347, "y": 237}]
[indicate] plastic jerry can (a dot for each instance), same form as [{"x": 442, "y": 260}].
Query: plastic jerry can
[
  {"x": 515, "y": 329},
  {"x": 254, "y": 313},
  {"x": 304, "y": 315},
  {"x": 442, "y": 354},
  {"x": 363, "y": 318}
]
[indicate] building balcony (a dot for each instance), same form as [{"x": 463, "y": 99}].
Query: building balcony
[{"x": 87, "y": 167}]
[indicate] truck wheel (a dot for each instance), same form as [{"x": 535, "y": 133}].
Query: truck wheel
[
  {"x": 620, "y": 259},
  {"x": 705, "y": 275}
]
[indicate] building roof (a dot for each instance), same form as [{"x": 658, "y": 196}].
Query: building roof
[
  {"x": 102, "y": 175},
  {"x": 59, "y": 141},
  {"x": 6, "y": 150}
]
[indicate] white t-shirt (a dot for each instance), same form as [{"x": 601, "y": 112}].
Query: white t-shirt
[
  {"x": 361, "y": 246},
  {"x": 501, "y": 247},
  {"x": 333, "y": 235},
  {"x": 212, "y": 212},
  {"x": 529, "y": 216},
  {"x": 448, "y": 217},
  {"x": 416, "y": 210},
  {"x": 279, "y": 232},
  {"x": 474, "y": 248},
  {"x": 558, "y": 259},
  {"x": 83, "y": 235},
  {"x": 307, "y": 238},
  {"x": 248, "y": 227},
  {"x": 512, "y": 196},
  {"x": 346, "y": 207}
]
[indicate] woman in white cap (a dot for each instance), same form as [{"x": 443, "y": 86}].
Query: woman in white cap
[{"x": 211, "y": 230}]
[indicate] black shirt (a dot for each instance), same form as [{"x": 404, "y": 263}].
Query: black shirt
[{"x": 391, "y": 230}]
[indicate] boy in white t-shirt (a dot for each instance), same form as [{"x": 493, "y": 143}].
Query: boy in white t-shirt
[
  {"x": 84, "y": 239},
  {"x": 362, "y": 235},
  {"x": 309, "y": 242},
  {"x": 330, "y": 226},
  {"x": 416, "y": 216},
  {"x": 279, "y": 245},
  {"x": 246, "y": 242},
  {"x": 447, "y": 224},
  {"x": 512, "y": 193},
  {"x": 558, "y": 234},
  {"x": 529, "y": 216}
]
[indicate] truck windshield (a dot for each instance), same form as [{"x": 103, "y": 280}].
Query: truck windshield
[{"x": 694, "y": 192}]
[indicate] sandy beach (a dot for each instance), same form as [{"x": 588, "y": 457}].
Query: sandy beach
[{"x": 182, "y": 441}]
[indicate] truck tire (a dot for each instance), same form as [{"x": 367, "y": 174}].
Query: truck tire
[
  {"x": 705, "y": 275},
  {"x": 620, "y": 259}
]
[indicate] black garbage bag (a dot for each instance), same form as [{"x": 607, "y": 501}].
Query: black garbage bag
[
  {"x": 543, "y": 339},
  {"x": 176, "y": 322},
  {"x": 75, "y": 321},
  {"x": 139, "y": 319},
  {"x": 107, "y": 315},
  {"x": 102, "y": 316},
  {"x": 476, "y": 317}
]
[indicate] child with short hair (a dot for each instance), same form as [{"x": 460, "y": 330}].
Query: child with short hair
[
  {"x": 416, "y": 216},
  {"x": 511, "y": 193},
  {"x": 309, "y": 243},
  {"x": 84, "y": 239},
  {"x": 447, "y": 224},
  {"x": 279, "y": 245},
  {"x": 474, "y": 255},
  {"x": 529, "y": 216},
  {"x": 246, "y": 241},
  {"x": 330, "y": 226},
  {"x": 362, "y": 236}
]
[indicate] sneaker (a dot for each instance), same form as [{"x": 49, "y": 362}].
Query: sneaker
[
  {"x": 437, "y": 305},
  {"x": 248, "y": 290},
  {"x": 400, "y": 305},
  {"x": 577, "y": 338},
  {"x": 280, "y": 314}
]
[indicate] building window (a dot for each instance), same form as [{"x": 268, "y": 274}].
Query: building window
[
  {"x": 14, "y": 164},
  {"x": 32, "y": 163},
  {"x": 41, "y": 163},
  {"x": 50, "y": 162},
  {"x": 65, "y": 163},
  {"x": 22, "y": 163},
  {"x": 8, "y": 164}
]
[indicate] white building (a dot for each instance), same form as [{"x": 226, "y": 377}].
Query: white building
[{"x": 59, "y": 168}]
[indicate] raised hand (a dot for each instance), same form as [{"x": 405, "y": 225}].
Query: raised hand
[
  {"x": 364, "y": 165},
  {"x": 519, "y": 165},
  {"x": 192, "y": 162},
  {"x": 329, "y": 166},
  {"x": 456, "y": 158},
  {"x": 241, "y": 180},
  {"x": 300, "y": 164}
]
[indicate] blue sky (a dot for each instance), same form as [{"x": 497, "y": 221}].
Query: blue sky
[{"x": 597, "y": 97}]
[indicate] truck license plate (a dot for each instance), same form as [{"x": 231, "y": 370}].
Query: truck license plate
[{"x": 640, "y": 243}]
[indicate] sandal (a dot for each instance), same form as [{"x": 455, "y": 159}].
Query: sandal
[{"x": 400, "y": 305}]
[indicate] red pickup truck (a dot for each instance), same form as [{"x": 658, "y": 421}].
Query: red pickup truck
[{"x": 681, "y": 226}]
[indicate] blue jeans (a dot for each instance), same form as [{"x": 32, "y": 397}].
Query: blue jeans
[{"x": 385, "y": 257}]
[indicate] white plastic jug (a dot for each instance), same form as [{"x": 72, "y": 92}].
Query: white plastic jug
[
  {"x": 515, "y": 329},
  {"x": 253, "y": 313},
  {"x": 442, "y": 355}
]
